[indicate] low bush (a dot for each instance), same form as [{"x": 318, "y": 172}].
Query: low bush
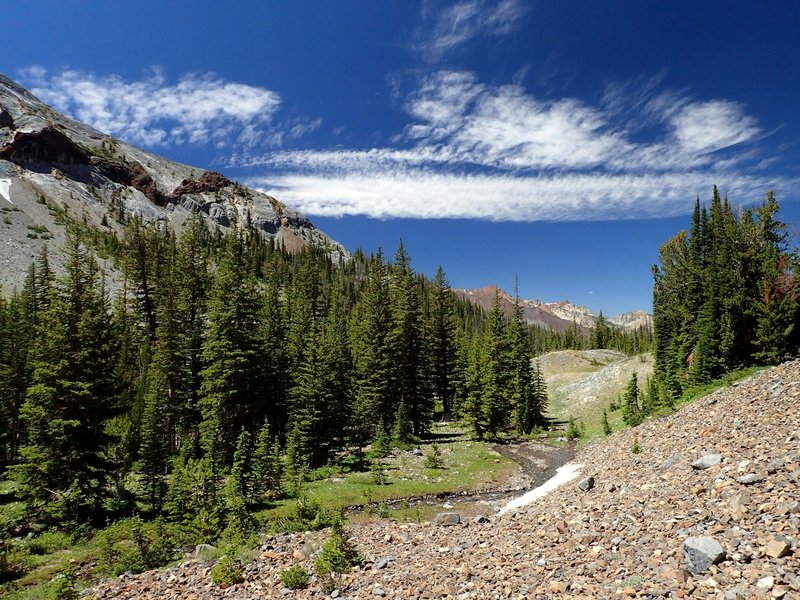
[{"x": 295, "y": 577}]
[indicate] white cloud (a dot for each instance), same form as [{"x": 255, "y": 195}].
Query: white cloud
[
  {"x": 567, "y": 197},
  {"x": 465, "y": 20},
  {"x": 498, "y": 153},
  {"x": 703, "y": 127},
  {"x": 198, "y": 109}
]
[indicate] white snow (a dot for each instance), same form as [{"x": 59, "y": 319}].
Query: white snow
[
  {"x": 563, "y": 474},
  {"x": 5, "y": 189}
]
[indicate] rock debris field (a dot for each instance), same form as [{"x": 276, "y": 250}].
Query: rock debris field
[{"x": 709, "y": 508}]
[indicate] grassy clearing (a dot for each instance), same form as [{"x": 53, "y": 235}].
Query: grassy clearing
[{"x": 467, "y": 465}]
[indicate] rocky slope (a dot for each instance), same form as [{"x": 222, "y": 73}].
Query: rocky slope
[
  {"x": 717, "y": 482},
  {"x": 53, "y": 168},
  {"x": 558, "y": 316}
]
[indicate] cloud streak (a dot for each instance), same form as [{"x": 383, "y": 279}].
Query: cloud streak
[
  {"x": 496, "y": 152},
  {"x": 198, "y": 109},
  {"x": 460, "y": 23}
]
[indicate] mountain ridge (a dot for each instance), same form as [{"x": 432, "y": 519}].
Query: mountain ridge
[
  {"x": 558, "y": 316},
  {"x": 51, "y": 164}
]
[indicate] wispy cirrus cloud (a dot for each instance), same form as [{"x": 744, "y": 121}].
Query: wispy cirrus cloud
[
  {"x": 478, "y": 151},
  {"x": 455, "y": 25},
  {"x": 197, "y": 109}
]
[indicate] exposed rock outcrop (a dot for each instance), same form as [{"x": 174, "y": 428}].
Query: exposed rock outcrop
[{"x": 61, "y": 166}]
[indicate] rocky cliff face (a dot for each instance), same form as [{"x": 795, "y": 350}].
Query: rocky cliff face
[
  {"x": 52, "y": 166},
  {"x": 558, "y": 316}
]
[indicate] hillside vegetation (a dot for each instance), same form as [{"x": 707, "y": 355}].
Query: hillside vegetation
[
  {"x": 627, "y": 536},
  {"x": 583, "y": 383}
]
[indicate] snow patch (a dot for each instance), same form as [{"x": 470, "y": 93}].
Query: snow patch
[
  {"x": 563, "y": 474},
  {"x": 5, "y": 189}
]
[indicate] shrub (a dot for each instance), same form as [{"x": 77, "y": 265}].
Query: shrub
[
  {"x": 573, "y": 430},
  {"x": 227, "y": 570},
  {"x": 130, "y": 545},
  {"x": 434, "y": 459},
  {"x": 338, "y": 554},
  {"x": 378, "y": 473},
  {"x": 635, "y": 449},
  {"x": 295, "y": 577},
  {"x": 49, "y": 542},
  {"x": 14, "y": 560}
]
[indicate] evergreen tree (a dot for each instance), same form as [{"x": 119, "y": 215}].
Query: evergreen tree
[
  {"x": 62, "y": 468},
  {"x": 521, "y": 391},
  {"x": 374, "y": 402},
  {"x": 443, "y": 344},
  {"x": 632, "y": 412},
  {"x": 192, "y": 283},
  {"x": 605, "y": 424},
  {"x": 409, "y": 348},
  {"x": 231, "y": 389},
  {"x": 155, "y": 437},
  {"x": 497, "y": 400},
  {"x": 601, "y": 333},
  {"x": 15, "y": 341},
  {"x": 266, "y": 475}
]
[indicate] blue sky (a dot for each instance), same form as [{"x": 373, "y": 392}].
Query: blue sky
[{"x": 562, "y": 142}]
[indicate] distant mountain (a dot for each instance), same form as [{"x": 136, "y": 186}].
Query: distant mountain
[
  {"x": 53, "y": 169},
  {"x": 558, "y": 316}
]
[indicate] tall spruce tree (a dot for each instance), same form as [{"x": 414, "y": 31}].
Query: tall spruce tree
[
  {"x": 498, "y": 375},
  {"x": 409, "y": 348},
  {"x": 62, "y": 467},
  {"x": 374, "y": 401},
  {"x": 443, "y": 341},
  {"x": 230, "y": 395}
]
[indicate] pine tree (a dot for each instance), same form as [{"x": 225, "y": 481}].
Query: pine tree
[
  {"x": 266, "y": 476},
  {"x": 631, "y": 410},
  {"x": 231, "y": 390},
  {"x": 497, "y": 401},
  {"x": 374, "y": 402},
  {"x": 521, "y": 385},
  {"x": 605, "y": 424},
  {"x": 63, "y": 468},
  {"x": 155, "y": 437},
  {"x": 601, "y": 333},
  {"x": 409, "y": 348},
  {"x": 15, "y": 341},
  {"x": 443, "y": 344},
  {"x": 472, "y": 410},
  {"x": 192, "y": 284}
]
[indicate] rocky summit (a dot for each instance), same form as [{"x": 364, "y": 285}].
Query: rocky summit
[
  {"x": 653, "y": 525},
  {"x": 54, "y": 170}
]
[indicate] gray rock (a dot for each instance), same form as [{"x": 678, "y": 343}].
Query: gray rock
[
  {"x": 379, "y": 591},
  {"x": 707, "y": 461},
  {"x": 672, "y": 461},
  {"x": 586, "y": 484},
  {"x": 383, "y": 562},
  {"x": 775, "y": 465},
  {"x": 750, "y": 479},
  {"x": 447, "y": 518},
  {"x": 200, "y": 548},
  {"x": 733, "y": 595},
  {"x": 481, "y": 519},
  {"x": 701, "y": 553}
]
